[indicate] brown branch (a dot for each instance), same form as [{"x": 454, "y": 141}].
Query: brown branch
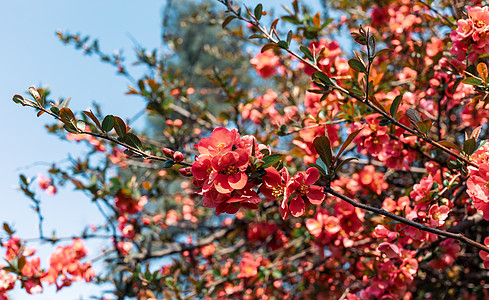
[
  {"x": 447, "y": 234},
  {"x": 335, "y": 86}
]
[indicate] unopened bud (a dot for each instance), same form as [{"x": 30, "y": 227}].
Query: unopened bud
[
  {"x": 168, "y": 152},
  {"x": 186, "y": 171},
  {"x": 34, "y": 93},
  {"x": 178, "y": 156}
]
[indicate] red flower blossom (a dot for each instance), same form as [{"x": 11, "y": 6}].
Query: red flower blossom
[
  {"x": 301, "y": 187},
  {"x": 228, "y": 171}
]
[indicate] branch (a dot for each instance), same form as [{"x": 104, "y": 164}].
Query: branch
[
  {"x": 335, "y": 86},
  {"x": 447, "y": 234}
]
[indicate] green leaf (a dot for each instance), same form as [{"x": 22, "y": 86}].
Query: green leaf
[
  {"x": 55, "y": 110},
  {"x": 168, "y": 164},
  {"x": 348, "y": 141},
  {"x": 283, "y": 44},
  {"x": 67, "y": 116},
  {"x": 258, "y": 11},
  {"x": 271, "y": 160},
  {"x": 342, "y": 163},
  {"x": 7, "y": 229},
  {"x": 323, "y": 148},
  {"x": 257, "y": 36},
  {"x": 395, "y": 105},
  {"x": 449, "y": 144},
  {"x": 413, "y": 116},
  {"x": 355, "y": 91},
  {"x": 387, "y": 50},
  {"x": 289, "y": 37},
  {"x": 93, "y": 118},
  {"x": 357, "y": 65},
  {"x": 472, "y": 81},
  {"x": 323, "y": 78},
  {"x": 108, "y": 123},
  {"x": 290, "y": 19},
  {"x": 306, "y": 52},
  {"x": 120, "y": 127},
  {"x": 268, "y": 47},
  {"x": 425, "y": 126},
  {"x": 469, "y": 146},
  {"x": 227, "y": 20},
  {"x": 132, "y": 140},
  {"x": 18, "y": 99},
  {"x": 384, "y": 122}
]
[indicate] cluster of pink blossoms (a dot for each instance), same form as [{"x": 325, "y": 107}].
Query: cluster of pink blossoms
[
  {"x": 46, "y": 185},
  {"x": 478, "y": 182},
  {"x": 64, "y": 266},
  {"x": 472, "y": 32},
  {"x": 224, "y": 167},
  {"x": 375, "y": 140}
]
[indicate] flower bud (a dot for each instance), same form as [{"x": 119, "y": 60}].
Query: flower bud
[
  {"x": 168, "y": 152},
  {"x": 186, "y": 171},
  {"x": 178, "y": 156}
]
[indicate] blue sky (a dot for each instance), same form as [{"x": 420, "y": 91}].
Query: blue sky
[{"x": 31, "y": 54}]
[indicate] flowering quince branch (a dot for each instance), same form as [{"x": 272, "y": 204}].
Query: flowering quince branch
[
  {"x": 332, "y": 83},
  {"x": 129, "y": 140},
  {"x": 447, "y": 234}
]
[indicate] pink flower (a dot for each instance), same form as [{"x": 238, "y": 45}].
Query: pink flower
[
  {"x": 46, "y": 184},
  {"x": 265, "y": 63},
  {"x": 228, "y": 171},
  {"x": 220, "y": 141},
  {"x": 438, "y": 214},
  {"x": 389, "y": 249},
  {"x": 302, "y": 186},
  {"x": 477, "y": 188},
  {"x": 249, "y": 266}
]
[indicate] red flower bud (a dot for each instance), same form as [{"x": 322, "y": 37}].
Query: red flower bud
[
  {"x": 186, "y": 171},
  {"x": 168, "y": 152},
  {"x": 178, "y": 156}
]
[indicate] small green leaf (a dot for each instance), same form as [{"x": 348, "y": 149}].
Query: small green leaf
[
  {"x": 258, "y": 11},
  {"x": 67, "y": 116},
  {"x": 268, "y": 47},
  {"x": 306, "y": 52},
  {"x": 323, "y": 78},
  {"x": 168, "y": 164},
  {"x": 93, "y": 118},
  {"x": 395, "y": 105},
  {"x": 120, "y": 127},
  {"x": 132, "y": 140},
  {"x": 387, "y": 50},
  {"x": 18, "y": 99},
  {"x": 55, "y": 110},
  {"x": 271, "y": 160},
  {"x": 323, "y": 148},
  {"x": 357, "y": 65},
  {"x": 347, "y": 142},
  {"x": 289, "y": 37},
  {"x": 227, "y": 20},
  {"x": 108, "y": 123},
  {"x": 283, "y": 45},
  {"x": 472, "y": 81},
  {"x": 384, "y": 122},
  {"x": 342, "y": 163},
  {"x": 449, "y": 144},
  {"x": 425, "y": 126},
  {"x": 469, "y": 146},
  {"x": 413, "y": 116}
]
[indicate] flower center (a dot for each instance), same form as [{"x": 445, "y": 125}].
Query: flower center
[
  {"x": 220, "y": 146},
  {"x": 229, "y": 170},
  {"x": 302, "y": 189},
  {"x": 479, "y": 23},
  {"x": 277, "y": 191}
]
